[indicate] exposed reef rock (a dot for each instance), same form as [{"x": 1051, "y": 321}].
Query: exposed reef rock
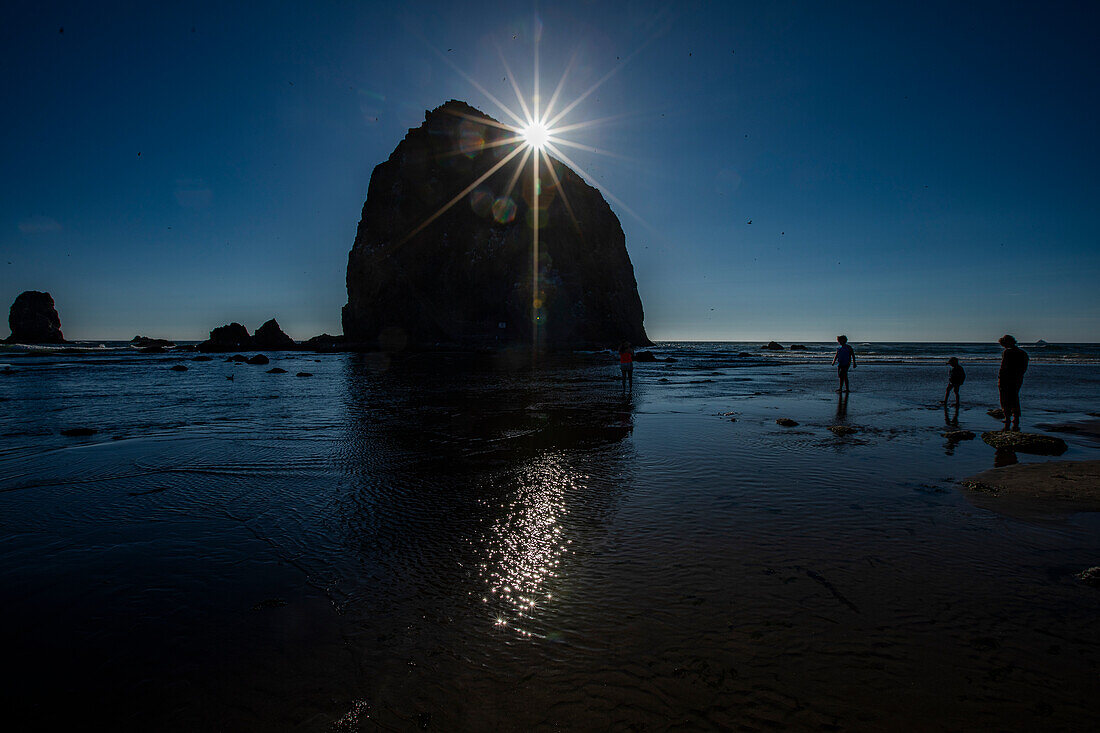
[
  {"x": 270, "y": 336},
  {"x": 772, "y": 346},
  {"x": 438, "y": 260},
  {"x": 34, "y": 320},
  {"x": 1034, "y": 443},
  {"x": 233, "y": 337}
]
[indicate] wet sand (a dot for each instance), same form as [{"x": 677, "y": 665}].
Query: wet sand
[
  {"x": 452, "y": 545},
  {"x": 1054, "y": 486}
]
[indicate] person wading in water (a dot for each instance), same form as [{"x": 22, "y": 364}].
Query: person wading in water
[
  {"x": 845, "y": 357},
  {"x": 626, "y": 364}
]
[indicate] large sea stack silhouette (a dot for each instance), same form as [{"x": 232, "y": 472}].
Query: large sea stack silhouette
[
  {"x": 33, "y": 319},
  {"x": 464, "y": 277}
]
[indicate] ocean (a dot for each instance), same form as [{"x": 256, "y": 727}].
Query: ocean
[{"x": 502, "y": 542}]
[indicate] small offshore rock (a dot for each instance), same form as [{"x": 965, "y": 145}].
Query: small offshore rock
[
  {"x": 258, "y": 359},
  {"x": 239, "y": 358},
  {"x": 797, "y": 347},
  {"x": 179, "y": 368},
  {"x": 956, "y": 435},
  {"x": 231, "y": 337},
  {"x": 276, "y": 370},
  {"x": 1090, "y": 576},
  {"x": 78, "y": 432},
  {"x": 786, "y": 422},
  {"x": 270, "y": 336},
  {"x": 1034, "y": 443},
  {"x": 772, "y": 346},
  {"x": 842, "y": 430},
  {"x": 143, "y": 342},
  {"x": 304, "y": 374},
  {"x": 645, "y": 356}
]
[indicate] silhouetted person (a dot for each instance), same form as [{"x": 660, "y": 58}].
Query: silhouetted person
[
  {"x": 1010, "y": 378},
  {"x": 955, "y": 377},
  {"x": 626, "y": 364},
  {"x": 844, "y": 359}
]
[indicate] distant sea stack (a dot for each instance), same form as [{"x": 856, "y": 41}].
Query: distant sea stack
[
  {"x": 465, "y": 278},
  {"x": 34, "y": 320}
]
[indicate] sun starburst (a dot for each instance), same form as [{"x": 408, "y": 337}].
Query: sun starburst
[{"x": 535, "y": 134}]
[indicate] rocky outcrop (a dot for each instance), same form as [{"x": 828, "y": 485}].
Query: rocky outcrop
[
  {"x": 258, "y": 360},
  {"x": 269, "y": 336},
  {"x": 786, "y": 422},
  {"x": 232, "y": 337},
  {"x": 34, "y": 320},
  {"x": 444, "y": 252},
  {"x": 1034, "y": 443},
  {"x": 772, "y": 346}
]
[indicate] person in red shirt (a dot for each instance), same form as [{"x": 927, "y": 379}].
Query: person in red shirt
[{"x": 626, "y": 364}]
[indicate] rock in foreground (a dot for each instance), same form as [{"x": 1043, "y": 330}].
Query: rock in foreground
[
  {"x": 1041, "y": 445},
  {"x": 34, "y": 320},
  {"x": 438, "y": 262}
]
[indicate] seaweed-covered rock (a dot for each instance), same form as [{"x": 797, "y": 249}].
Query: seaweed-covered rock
[
  {"x": 1090, "y": 576},
  {"x": 270, "y": 336},
  {"x": 786, "y": 422},
  {"x": 34, "y": 320},
  {"x": 1034, "y": 443},
  {"x": 442, "y": 261},
  {"x": 231, "y": 337}
]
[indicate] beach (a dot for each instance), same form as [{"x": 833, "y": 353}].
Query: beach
[{"x": 504, "y": 542}]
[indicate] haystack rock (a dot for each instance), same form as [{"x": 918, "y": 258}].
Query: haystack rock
[
  {"x": 270, "y": 336},
  {"x": 443, "y": 256},
  {"x": 34, "y": 320}
]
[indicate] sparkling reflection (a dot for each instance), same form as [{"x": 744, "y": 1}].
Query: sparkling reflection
[{"x": 525, "y": 545}]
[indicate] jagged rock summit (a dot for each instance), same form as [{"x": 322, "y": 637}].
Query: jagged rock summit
[
  {"x": 34, "y": 320},
  {"x": 423, "y": 274}
]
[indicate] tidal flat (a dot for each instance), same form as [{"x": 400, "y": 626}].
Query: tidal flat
[{"x": 446, "y": 542}]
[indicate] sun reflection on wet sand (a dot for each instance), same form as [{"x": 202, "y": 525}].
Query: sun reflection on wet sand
[{"x": 525, "y": 545}]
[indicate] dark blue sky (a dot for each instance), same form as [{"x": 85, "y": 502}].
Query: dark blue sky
[{"x": 912, "y": 172}]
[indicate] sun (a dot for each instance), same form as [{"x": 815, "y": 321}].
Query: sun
[{"x": 536, "y": 135}]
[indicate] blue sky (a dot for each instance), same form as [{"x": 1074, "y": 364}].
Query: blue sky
[{"x": 920, "y": 171}]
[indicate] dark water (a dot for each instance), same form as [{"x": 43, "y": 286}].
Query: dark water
[{"x": 482, "y": 543}]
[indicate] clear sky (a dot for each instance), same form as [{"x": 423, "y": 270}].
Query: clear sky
[{"x": 916, "y": 171}]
